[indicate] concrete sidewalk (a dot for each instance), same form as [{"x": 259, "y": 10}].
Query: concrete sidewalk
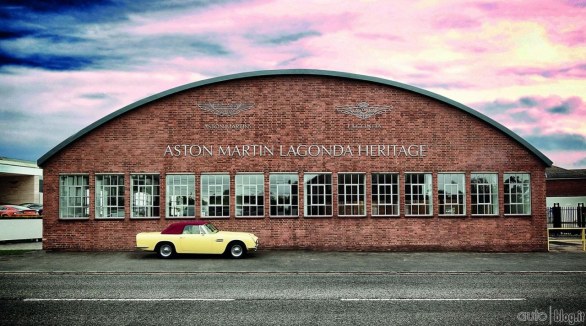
[
  {"x": 21, "y": 245},
  {"x": 292, "y": 262}
]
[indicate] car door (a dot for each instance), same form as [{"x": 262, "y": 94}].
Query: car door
[{"x": 193, "y": 240}]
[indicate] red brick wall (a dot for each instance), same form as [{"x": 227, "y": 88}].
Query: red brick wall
[
  {"x": 566, "y": 187},
  {"x": 291, "y": 110}
]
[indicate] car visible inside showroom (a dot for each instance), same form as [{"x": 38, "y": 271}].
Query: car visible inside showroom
[
  {"x": 35, "y": 206},
  {"x": 17, "y": 211}
]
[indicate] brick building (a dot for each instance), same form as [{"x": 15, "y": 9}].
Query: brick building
[
  {"x": 565, "y": 187},
  {"x": 304, "y": 159}
]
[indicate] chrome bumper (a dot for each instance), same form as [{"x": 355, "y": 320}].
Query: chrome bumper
[{"x": 256, "y": 244}]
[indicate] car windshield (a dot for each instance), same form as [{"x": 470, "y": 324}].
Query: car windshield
[{"x": 211, "y": 228}]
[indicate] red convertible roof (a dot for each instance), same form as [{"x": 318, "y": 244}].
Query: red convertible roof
[{"x": 177, "y": 228}]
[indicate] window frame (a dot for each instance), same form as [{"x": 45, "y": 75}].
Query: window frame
[
  {"x": 155, "y": 200},
  {"x": 525, "y": 194},
  {"x": 99, "y": 209},
  {"x": 308, "y": 195},
  {"x": 395, "y": 197},
  {"x": 494, "y": 196},
  {"x": 205, "y": 195},
  {"x": 188, "y": 186},
  {"x": 345, "y": 186},
  {"x": 427, "y": 193},
  {"x": 84, "y": 199},
  {"x": 461, "y": 198},
  {"x": 239, "y": 193},
  {"x": 293, "y": 195}
]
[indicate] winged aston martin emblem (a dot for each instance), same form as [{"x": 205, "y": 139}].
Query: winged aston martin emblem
[
  {"x": 362, "y": 110},
  {"x": 225, "y": 110}
]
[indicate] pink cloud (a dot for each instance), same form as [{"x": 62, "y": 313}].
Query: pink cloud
[
  {"x": 526, "y": 10},
  {"x": 532, "y": 115},
  {"x": 564, "y": 19},
  {"x": 470, "y": 51},
  {"x": 567, "y": 159},
  {"x": 355, "y": 35},
  {"x": 256, "y": 17},
  {"x": 380, "y": 36},
  {"x": 577, "y": 70},
  {"x": 456, "y": 21}
]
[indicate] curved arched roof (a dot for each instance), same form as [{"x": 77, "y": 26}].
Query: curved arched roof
[{"x": 263, "y": 73}]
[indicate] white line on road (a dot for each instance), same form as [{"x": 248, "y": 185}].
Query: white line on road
[
  {"x": 219, "y": 300},
  {"x": 123, "y": 299},
  {"x": 376, "y": 273},
  {"x": 437, "y": 299}
]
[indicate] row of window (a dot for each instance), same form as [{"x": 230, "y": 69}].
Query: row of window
[{"x": 318, "y": 200}]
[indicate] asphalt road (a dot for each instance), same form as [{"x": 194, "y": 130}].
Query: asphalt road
[{"x": 292, "y": 298}]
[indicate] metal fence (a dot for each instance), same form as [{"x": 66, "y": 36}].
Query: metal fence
[{"x": 566, "y": 217}]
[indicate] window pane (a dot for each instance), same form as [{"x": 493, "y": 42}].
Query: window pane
[
  {"x": 484, "y": 193},
  {"x": 145, "y": 195},
  {"x": 351, "y": 195},
  {"x": 180, "y": 195},
  {"x": 517, "y": 193},
  {"x": 318, "y": 194},
  {"x": 385, "y": 197},
  {"x": 418, "y": 199},
  {"x": 74, "y": 196},
  {"x": 249, "y": 195},
  {"x": 215, "y": 191},
  {"x": 109, "y": 194},
  {"x": 451, "y": 194}
]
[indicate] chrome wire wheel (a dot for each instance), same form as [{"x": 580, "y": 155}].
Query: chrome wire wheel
[
  {"x": 236, "y": 250},
  {"x": 166, "y": 250}
]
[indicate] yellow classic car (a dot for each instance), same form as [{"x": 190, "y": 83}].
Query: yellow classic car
[{"x": 196, "y": 237}]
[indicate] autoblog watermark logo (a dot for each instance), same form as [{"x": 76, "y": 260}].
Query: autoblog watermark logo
[{"x": 555, "y": 316}]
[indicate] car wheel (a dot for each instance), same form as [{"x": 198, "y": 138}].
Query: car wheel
[
  {"x": 166, "y": 250},
  {"x": 237, "y": 250}
]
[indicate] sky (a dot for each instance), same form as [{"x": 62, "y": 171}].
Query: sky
[{"x": 66, "y": 64}]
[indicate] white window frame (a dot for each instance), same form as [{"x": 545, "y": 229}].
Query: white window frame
[
  {"x": 74, "y": 197},
  {"x": 345, "y": 199},
  {"x": 150, "y": 201},
  {"x": 250, "y": 189},
  {"x": 524, "y": 194},
  {"x": 323, "y": 197},
  {"x": 460, "y": 185},
  {"x": 379, "y": 194},
  {"x": 180, "y": 195},
  {"x": 426, "y": 193},
  {"x": 475, "y": 196},
  {"x": 293, "y": 196},
  {"x": 205, "y": 194},
  {"x": 103, "y": 196}
]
